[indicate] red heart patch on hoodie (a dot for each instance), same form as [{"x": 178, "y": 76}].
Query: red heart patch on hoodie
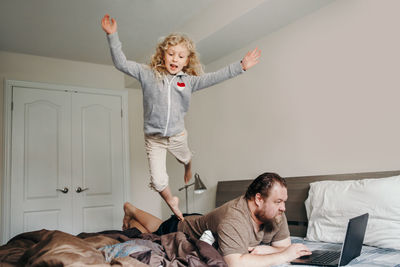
[{"x": 180, "y": 84}]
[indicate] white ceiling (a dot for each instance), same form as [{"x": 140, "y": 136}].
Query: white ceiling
[{"x": 70, "y": 29}]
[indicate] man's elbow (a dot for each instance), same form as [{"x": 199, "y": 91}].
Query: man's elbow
[{"x": 234, "y": 260}]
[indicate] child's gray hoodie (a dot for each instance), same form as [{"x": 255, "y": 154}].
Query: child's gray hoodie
[{"x": 166, "y": 101}]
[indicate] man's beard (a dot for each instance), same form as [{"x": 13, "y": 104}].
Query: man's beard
[{"x": 268, "y": 224}]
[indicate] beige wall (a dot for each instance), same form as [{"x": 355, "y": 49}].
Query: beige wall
[{"x": 324, "y": 99}]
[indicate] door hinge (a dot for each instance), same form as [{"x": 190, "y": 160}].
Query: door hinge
[
  {"x": 121, "y": 113},
  {"x": 12, "y": 106}
]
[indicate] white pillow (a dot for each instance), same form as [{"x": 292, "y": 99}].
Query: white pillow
[{"x": 330, "y": 204}]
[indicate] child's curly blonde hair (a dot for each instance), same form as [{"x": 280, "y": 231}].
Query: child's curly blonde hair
[{"x": 157, "y": 63}]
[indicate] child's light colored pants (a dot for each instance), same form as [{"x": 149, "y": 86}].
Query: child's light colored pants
[{"x": 156, "y": 150}]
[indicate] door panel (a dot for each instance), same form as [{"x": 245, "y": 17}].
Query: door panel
[
  {"x": 64, "y": 138},
  {"x": 40, "y": 160},
  {"x": 96, "y": 148},
  {"x": 98, "y": 161},
  {"x": 41, "y": 145},
  {"x": 33, "y": 220},
  {"x": 93, "y": 213}
]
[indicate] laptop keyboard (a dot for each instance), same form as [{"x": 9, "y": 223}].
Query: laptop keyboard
[{"x": 326, "y": 257}]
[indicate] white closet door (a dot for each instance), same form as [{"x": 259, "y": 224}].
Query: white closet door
[
  {"x": 97, "y": 163},
  {"x": 41, "y": 160}
]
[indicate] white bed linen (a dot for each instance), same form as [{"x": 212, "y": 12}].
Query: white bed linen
[
  {"x": 330, "y": 204},
  {"x": 370, "y": 256}
]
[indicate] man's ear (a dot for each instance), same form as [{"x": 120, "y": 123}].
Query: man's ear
[{"x": 258, "y": 199}]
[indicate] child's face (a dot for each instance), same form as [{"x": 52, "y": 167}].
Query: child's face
[{"x": 176, "y": 58}]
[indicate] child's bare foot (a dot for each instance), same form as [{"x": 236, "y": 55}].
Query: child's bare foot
[
  {"x": 174, "y": 206},
  {"x": 188, "y": 172},
  {"x": 172, "y": 201},
  {"x": 125, "y": 222},
  {"x": 129, "y": 210}
]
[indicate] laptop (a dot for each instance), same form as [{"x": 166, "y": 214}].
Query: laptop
[{"x": 351, "y": 247}]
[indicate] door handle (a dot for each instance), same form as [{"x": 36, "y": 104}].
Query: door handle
[
  {"x": 79, "y": 189},
  {"x": 65, "y": 190}
]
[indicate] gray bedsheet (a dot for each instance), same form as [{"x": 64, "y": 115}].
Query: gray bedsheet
[{"x": 370, "y": 256}]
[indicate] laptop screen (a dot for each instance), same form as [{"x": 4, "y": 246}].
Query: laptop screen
[{"x": 352, "y": 244}]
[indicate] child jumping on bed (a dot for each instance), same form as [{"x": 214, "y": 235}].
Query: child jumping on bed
[{"x": 173, "y": 74}]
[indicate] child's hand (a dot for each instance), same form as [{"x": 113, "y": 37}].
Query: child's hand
[
  {"x": 108, "y": 27},
  {"x": 251, "y": 59}
]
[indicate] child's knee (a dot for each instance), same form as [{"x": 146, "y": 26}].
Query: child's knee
[
  {"x": 159, "y": 183},
  {"x": 184, "y": 158}
]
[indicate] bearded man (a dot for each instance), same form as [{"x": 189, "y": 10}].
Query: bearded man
[{"x": 250, "y": 230}]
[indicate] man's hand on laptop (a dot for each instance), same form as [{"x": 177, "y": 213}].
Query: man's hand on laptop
[{"x": 295, "y": 251}]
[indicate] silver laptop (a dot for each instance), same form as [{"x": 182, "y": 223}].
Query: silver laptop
[{"x": 351, "y": 247}]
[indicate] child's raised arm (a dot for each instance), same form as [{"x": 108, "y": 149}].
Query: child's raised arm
[
  {"x": 230, "y": 71},
  {"x": 251, "y": 59},
  {"x": 109, "y": 27}
]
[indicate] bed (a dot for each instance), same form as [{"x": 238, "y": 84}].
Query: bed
[
  {"x": 108, "y": 248},
  {"x": 55, "y": 248},
  {"x": 296, "y": 213}
]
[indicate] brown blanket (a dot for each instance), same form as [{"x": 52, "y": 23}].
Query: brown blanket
[{"x": 55, "y": 248}]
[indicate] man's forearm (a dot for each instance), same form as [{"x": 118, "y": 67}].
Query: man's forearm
[
  {"x": 237, "y": 260},
  {"x": 290, "y": 253},
  {"x": 265, "y": 249}
]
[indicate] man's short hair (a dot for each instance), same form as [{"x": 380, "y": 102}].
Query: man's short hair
[{"x": 263, "y": 184}]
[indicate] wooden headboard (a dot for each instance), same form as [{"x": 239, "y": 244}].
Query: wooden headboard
[{"x": 297, "y": 192}]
